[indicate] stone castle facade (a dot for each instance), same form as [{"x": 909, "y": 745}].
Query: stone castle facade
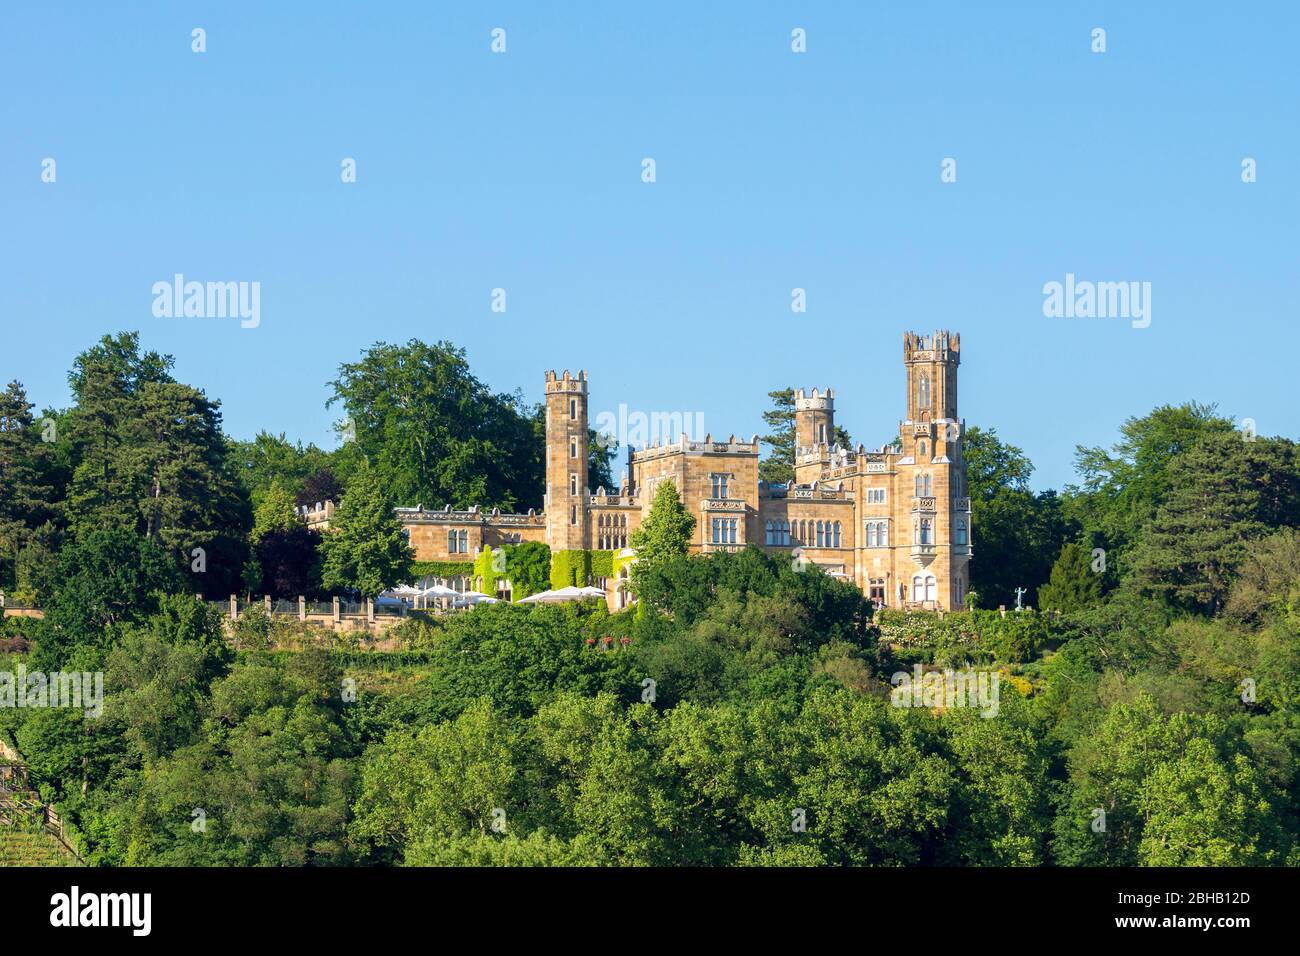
[{"x": 895, "y": 521}]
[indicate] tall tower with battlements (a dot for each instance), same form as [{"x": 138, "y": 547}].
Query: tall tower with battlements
[
  {"x": 566, "y": 461},
  {"x": 931, "y": 475}
]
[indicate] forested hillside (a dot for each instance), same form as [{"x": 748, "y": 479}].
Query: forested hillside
[{"x": 741, "y": 714}]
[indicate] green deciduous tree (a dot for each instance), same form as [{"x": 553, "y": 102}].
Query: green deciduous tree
[{"x": 435, "y": 434}]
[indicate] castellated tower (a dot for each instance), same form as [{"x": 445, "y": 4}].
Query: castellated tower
[
  {"x": 931, "y": 471},
  {"x": 566, "y": 461},
  {"x": 814, "y": 418}
]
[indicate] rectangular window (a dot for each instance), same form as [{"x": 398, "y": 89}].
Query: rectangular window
[
  {"x": 573, "y": 514},
  {"x": 875, "y": 496},
  {"x": 719, "y": 486},
  {"x": 573, "y": 447},
  {"x": 573, "y": 408},
  {"x": 573, "y": 483},
  {"x": 731, "y": 534}
]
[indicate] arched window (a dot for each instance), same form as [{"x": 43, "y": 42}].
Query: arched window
[
  {"x": 959, "y": 531},
  {"x": 919, "y": 486},
  {"x": 819, "y": 534},
  {"x": 837, "y": 535},
  {"x": 923, "y": 392},
  {"x": 921, "y": 448},
  {"x": 771, "y": 538},
  {"x": 918, "y": 588},
  {"x": 925, "y": 531},
  {"x": 929, "y": 587}
]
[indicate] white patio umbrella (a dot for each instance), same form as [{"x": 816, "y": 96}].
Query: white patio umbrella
[
  {"x": 438, "y": 591},
  {"x": 591, "y": 592},
  {"x": 569, "y": 593}
]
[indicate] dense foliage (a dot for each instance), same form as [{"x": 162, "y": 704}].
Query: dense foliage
[{"x": 1148, "y": 708}]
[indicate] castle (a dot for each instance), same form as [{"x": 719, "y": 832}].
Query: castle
[{"x": 896, "y": 521}]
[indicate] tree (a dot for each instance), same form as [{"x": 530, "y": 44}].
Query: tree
[
  {"x": 600, "y": 452},
  {"x": 1223, "y": 493},
  {"x": 26, "y": 498},
  {"x": 269, "y": 459},
  {"x": 285, "y": 548},
  {"x": 435, "y": 434},
  {"x": 666, "y": 531},
  {"x": 319, "y": 487},
  {"x": 104, "y": 578},
  {"x": 152, "y": 458},
  {"x": 1074, "y": 584},
  {"x": 1123, "y": 488},
  {"x": 365, "y": 549},
  {"x": 106, "y": 382},
  {"x": 1016, "y": 533},
  {"x": 1268, "y": 579},
  {"x": 778, "y": 466}
]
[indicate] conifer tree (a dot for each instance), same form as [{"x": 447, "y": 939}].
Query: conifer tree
[
  {"x": 364, "y": 548},
  {"x": 666, "y": 531}
]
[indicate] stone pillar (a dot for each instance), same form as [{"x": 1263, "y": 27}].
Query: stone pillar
[
  {"x": 337, "y": 616},
  {"x": 302, "y": 607},
  {"x": 370, "y": 611},
  {"x": 266, "y": 603},
  {"x": 234, "y": 607}
]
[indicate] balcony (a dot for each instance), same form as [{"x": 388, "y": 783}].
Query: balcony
[
  {"x": 923, "y": 554},
  {"x": 924, "y": 504},
  {"x": 961, "y": 505}
]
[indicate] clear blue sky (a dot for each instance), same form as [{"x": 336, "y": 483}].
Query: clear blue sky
[{"x": 775, "y": 171}]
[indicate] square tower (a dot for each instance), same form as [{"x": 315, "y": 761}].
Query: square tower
[
  {"x": 566, "y": 461},
  {"x": 932, "y": 511}
]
